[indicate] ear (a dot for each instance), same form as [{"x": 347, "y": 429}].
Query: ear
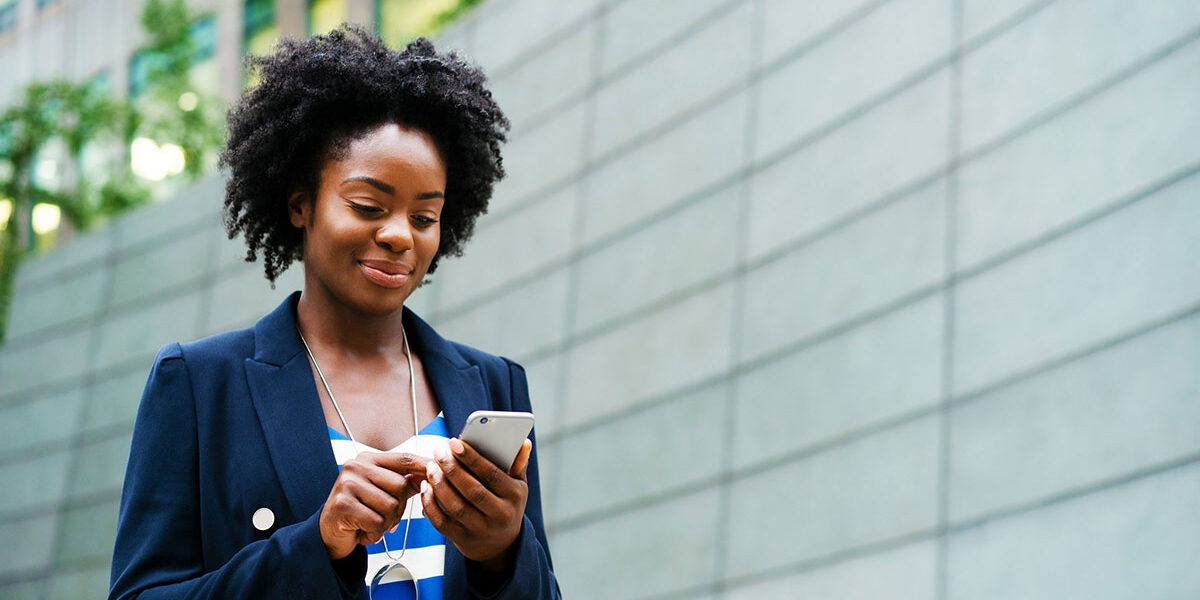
[{"x": 300, "y": 207}]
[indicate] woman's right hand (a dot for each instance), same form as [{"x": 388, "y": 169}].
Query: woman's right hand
[{"x": 368, "y": 498}]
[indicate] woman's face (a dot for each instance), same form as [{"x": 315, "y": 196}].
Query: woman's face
[{"x": 373, "y": 227}]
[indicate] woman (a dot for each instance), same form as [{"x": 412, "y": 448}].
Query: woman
[{"x": 255, "y": 469}]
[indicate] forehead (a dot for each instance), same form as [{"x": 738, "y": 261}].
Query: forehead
[{"x": 389, "y": 147}]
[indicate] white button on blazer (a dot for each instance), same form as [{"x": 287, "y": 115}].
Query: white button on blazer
[{"x": 263, "y": 519}]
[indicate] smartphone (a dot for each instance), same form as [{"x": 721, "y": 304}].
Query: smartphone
[{"x": 497, "y": 435}]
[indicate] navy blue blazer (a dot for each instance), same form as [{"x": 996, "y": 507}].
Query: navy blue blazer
[{"x": 232, "y": 423}]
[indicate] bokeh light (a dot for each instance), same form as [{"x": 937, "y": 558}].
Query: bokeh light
[{"x": 46, "y": 218}]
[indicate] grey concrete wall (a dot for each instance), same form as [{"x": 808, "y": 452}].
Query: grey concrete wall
[
  {"x": 86, "y": 323},
  {"x": 818, "y": 298}
]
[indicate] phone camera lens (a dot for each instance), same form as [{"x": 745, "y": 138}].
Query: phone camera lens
[{"x": 483, "y": 421}]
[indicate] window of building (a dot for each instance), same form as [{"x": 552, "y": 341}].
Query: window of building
[
  {"x": 5, "y": 150},
  {"x": 99, "y": 81},
  {"x": 8, "y": 15},
  {"x": 141, "y": 64},
  {"x": 261, "y": 29},
  {"x": 97, "y": 157},
  {"x": 325, "y": 15},
  {"x": 203, "y": 74},
  {"x": 204, "y": 36}
]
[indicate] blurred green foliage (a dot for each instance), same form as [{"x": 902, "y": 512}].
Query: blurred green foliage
[
  {"x": 75, "y": 121},
  {"x": 452, "y": 14}
]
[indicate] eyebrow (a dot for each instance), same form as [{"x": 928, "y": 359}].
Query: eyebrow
[
  {"x": 371, "y": 181},
  {"x": 383, "y": 187}
]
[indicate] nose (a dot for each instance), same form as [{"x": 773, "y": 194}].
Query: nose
[{"x": 395, "y": 235}]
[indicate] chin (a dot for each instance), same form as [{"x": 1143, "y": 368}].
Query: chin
[
  {"x": 377, "y": 302},
  {"x": 389, "y": 304}
]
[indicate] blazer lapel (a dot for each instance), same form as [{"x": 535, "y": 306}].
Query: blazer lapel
[
  {"x": 289, "y": 410},
  {"x": 457, "y": 383}
]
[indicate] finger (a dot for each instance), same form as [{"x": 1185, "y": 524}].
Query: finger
[
  {"x": 388, "y": 481},
  {"x": 403, "y": 463},
  {"x": 436, "y": 515},
  {"x": 352, "y": 489},
  {"x": 367, "y": 538},
  {"x": 350, "y": 516},
  {"x": 484, "y": 471},
  {"x": 412, "y": 486},
  {"x": 521, "y": 462},
  {"x": 448, "y": 496},
  {"x": 381, "y": 489},
  {"x": 485, "y": 490}
]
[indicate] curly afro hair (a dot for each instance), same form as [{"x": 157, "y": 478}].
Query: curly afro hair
[{"x": 315, "y": 96}]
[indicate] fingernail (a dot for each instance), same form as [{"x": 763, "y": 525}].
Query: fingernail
[
  {"x": 435, "y": 472},
  {"x": 456, "y": 446},
  {"x": 394, "y": 528},
  {"x": 425, "y": 488},
  {"x": 440, "y": 454},
  {"x": 379, "y": 540}
]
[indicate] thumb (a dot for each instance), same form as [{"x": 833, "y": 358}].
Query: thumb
[{"x": 521, "y": 462}]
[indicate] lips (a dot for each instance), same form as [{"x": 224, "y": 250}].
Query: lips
[{"x": 386, "y": 273}]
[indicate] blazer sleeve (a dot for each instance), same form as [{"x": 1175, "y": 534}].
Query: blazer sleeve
[
  {"x": 533, "y": 571},
  {"x": 158, "y": 551}
]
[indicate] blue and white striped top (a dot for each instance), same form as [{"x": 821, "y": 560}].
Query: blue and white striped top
[{"x": 426, "y": 552}]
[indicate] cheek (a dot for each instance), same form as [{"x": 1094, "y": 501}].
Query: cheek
[
  {"x": 334, "y": 247},
  {"x": 341, "y": 231},
  {"x": 434, "y": 240}
]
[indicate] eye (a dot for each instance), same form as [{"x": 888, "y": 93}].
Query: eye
[
  {"x": 366, "y": 209},
  {"x": 424, "y": 221}
]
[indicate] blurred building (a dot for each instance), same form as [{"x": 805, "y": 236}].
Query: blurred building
[
  {"x": 98, "y": 39},
  {"x": 828, "y": 299}
]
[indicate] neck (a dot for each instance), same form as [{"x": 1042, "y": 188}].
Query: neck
[{"x": 333, "y": 325}]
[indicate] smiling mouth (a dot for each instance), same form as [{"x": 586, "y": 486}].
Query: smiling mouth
[{"x": 385, "y": 274}]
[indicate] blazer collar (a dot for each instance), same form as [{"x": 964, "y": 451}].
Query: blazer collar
[
  {"x": 284, "y": 395},
  {"x": 285, "y": 398},
  {"x": 456, "y": 382},
  {"x": 276, "y": 339}
]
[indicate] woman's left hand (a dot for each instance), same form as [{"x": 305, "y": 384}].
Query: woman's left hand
[{"x": 475, "y": 504}]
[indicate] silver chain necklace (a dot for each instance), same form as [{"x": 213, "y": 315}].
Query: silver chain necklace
[{"x": 412, "y": 385}]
